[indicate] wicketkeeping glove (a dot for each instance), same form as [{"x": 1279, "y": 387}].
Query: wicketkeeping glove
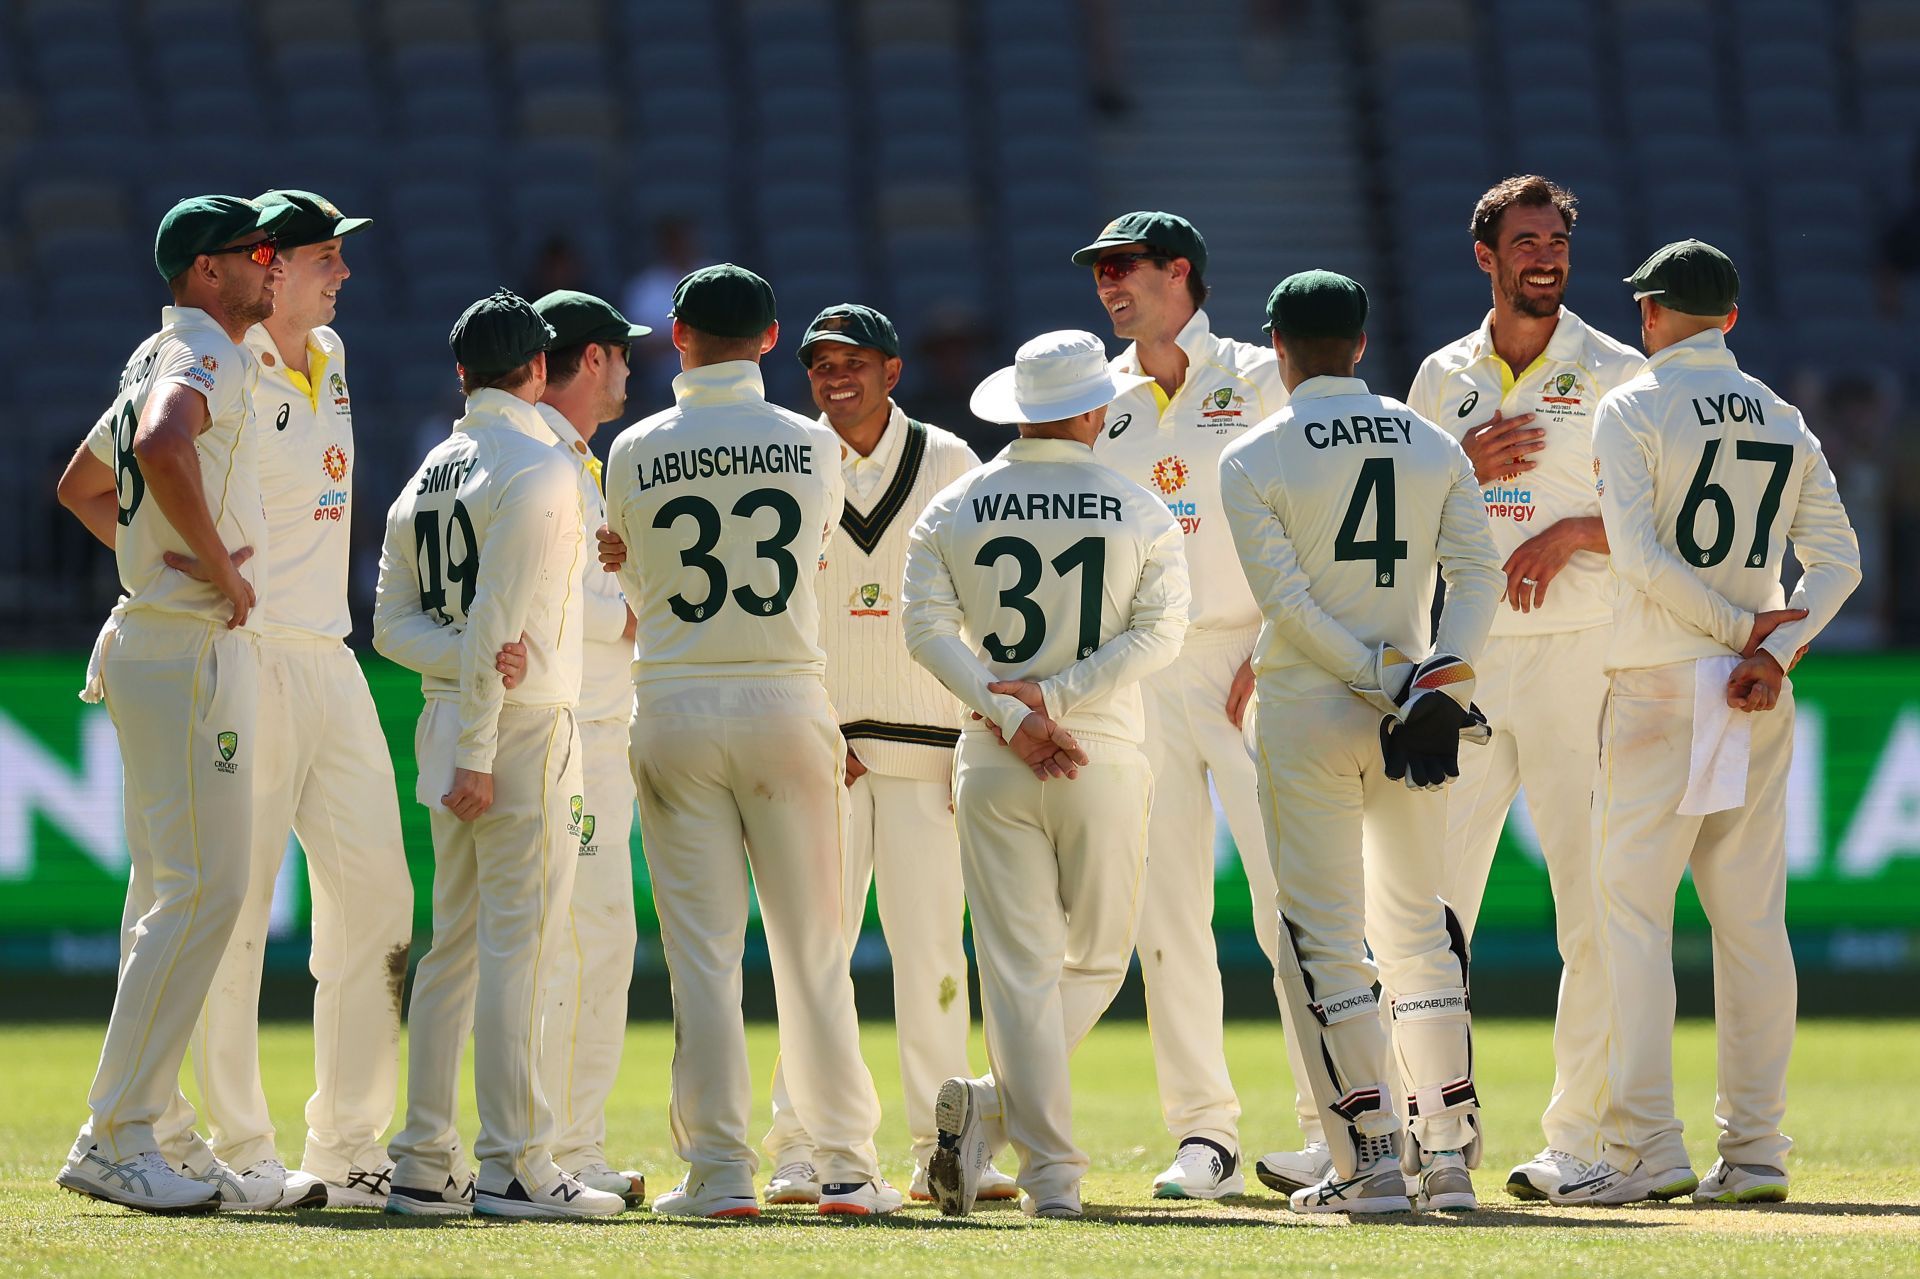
[{"x": 1420, "y": 742}]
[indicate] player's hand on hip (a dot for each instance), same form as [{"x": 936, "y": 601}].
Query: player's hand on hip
[
  {"x": 613, "y": 551},
  {"x": 193, "y": 568},
  {"x": 855, "y": 769},
  {"x": 472, "y": 794},
  {"x": 1240, "y": 693},
  {"x": 1754, "y": 685},
  {"x": 1765, "y": 624},
  {"x": 511, "y": 661},
  {"x": 1499, "y": 447}
]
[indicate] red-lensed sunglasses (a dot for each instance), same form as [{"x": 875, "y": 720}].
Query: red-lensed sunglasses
[
  {"x": 1121, "y": 265},
  {"x": 262, "y": 252}
]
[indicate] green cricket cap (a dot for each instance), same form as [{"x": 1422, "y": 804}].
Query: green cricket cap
[
  {"x": 1317, "y": 304},
  {"x": 577, "y": 318},
  {"x": 1169, "y": 233},
  {"x": 851, "y": 324},
  {"x": 202, "y": 223},
  {"x": 498, "y": 333},
  {"x": 727, "y": 301},
  {"x": 314, "y": 220},
  {"x": 1690, "y": 276}
]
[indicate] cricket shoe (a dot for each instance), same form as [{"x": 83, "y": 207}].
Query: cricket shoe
[
  {"x": 1742, "y": 1184},
  {"x": 1546, "y": 1172},
  {"x": 259, "y": 1189},
  {"x": 628, "y": 1184},
  {"x": 361, "y": 1187},
  {"x": 1378, "y": 1185},
  {"x": 794, "y": 1182},
  {"x": 873, "y": 1198},
  {"x": 697, "y": 1201},
  {"x": 1446, "y": 1185},
  {"x": 564, "y": 1196},
  {"x": 451, "y": 1200},
  {"x": 1201, "y": 1169},
  {"x": 298, "y": 1189},
  {"x": 1286, "y": 1171},
  {"x": 1064, "y": 1206},
  {"x": 1602, "y": 1183},
  {"x": 146, "y": 1182},
  {"x": 956, "y": 1167},
  {"x": 994, "y": 1185}
]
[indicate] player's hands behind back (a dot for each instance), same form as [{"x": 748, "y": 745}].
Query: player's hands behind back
[
  {"x": 1041, "y": 742},
  {"x": 1420, "y": 742}
]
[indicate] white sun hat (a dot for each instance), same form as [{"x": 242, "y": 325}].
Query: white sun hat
[{"x": 1054, "y": 376}]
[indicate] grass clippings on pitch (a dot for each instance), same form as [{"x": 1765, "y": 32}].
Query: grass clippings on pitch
[{"x": 1854, "y": 1211}]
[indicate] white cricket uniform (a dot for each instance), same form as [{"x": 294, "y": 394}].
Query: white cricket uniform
[
  {"x": 1705, "y": 474},
  {"x": 182, "y": 690},
  {"x": 1045, "y": 565},
  {"x": 324, "y": 771},
  {"x": 485, "y": 546},
  {"x": 1343, "y": 505},
  {"x": 1171, "y": 445},
  {"x": 902, "y": 725},
  {"x": 725, "y": 503},
  {"x": 585, "y": 1015},
  {"x": 1540, "y": 676}
]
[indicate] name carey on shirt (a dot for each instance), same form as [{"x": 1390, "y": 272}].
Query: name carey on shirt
[
  {"x": 725, "y": 459},
  {"x": 1358, "y": 428}
]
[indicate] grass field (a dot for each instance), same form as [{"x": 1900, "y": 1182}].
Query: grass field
[{"x": 1855, "y": 1209}]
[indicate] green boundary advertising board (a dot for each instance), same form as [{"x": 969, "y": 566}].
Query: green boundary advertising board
[{"x": 1853, "y": 837}]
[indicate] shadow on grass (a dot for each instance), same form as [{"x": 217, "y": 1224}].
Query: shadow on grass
[
  {"x": 354, "y": 1220},
  {"x": 1269, "y": 1214}
]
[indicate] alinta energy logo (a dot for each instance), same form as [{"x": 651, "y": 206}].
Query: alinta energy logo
[
  {"x": 1509, "y": 502},
  {"x": 335, "y": 460},
  {"x": 1170, "y": 475}
]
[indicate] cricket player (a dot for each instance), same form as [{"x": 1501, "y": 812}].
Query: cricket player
[
  {"x": 726, "y": 504},
  {"x": 1041, "y": 589},
  {"x": 324, "y": 771},
  {"x": 585, "y": 1008},
  {"x": 1342, "y": 506},
  {"x": 172, "y": 467},
  {"x": 900, "y": 728},
  {"x": 1704, "y": 475},
  {"x": 483, "y": 546},
  {"x": 1200, "y": 393},
  {"x": 1519, "y": 394}
]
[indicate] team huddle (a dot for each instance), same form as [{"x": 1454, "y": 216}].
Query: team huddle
[{"x": 823, "y": 654}]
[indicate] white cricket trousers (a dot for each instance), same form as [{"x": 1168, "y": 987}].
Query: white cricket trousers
[
  {"x": 1054, "y": 872},
  {"x": 1739, "y": 862},
  {"x": 323, "y": 769},
  {"x": 501, "y": 884},
  {"x": 901, "y": 838},
  {"x": 183, "y": 694},
  {"x": 1358, "y": 861},
  {"x": 1543, "y": 695},
  {"x": 1190, "y": 738},
  {"x": 585, "y": 1015},
  {"x": 720, "y": 765}
]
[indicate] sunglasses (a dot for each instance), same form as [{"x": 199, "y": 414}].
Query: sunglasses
[
  {"x": 262, "y": 252},
  {"x": 1121, "y": 265}
]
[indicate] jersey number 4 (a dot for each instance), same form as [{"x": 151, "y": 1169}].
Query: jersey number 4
[
  {"x": 1375, "y": 486},
  {"x": 706, "y": 523},
  {"x": 1704, "y": 492},
  {"x": 1088, "y": 555}
]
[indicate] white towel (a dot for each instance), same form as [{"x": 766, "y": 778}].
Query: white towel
[
  {"x": 1722, "y": 741},
  {"x": 94, "y": 691},
  {"x": 436, "y": 743}
]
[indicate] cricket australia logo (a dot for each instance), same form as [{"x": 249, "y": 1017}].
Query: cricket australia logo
[
  {"x": 869, "y": 600},
  {"x": 574, "y": 811},
  {"x": 587, "y": 825},
  {"x": 1560, "y": 389},
  {"x": 1225, "y": 403},
  {"x": 229, "y": 745},
  {"x": 1170, "y": 475},
  {"x": 337, "y": 386}
]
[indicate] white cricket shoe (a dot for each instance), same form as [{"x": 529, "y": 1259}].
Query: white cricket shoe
[
  {"x": 361, "y": 1187},
  {"x": 1602, "y": 1183},
  {"x": 873, "y": 1198},
  {"x": 628, "y": 1184},
  {"x": 1064, "y": 1206},
  {"x": 259, "y": 1189},
  {"x": 564, "y": 1196},
  {"x": 1201, "y": 1169},
  {"x": 697, "y": 1201},
  {"x": 794, "y": 1182},
  {"x": 994, "y": 1185},
  {"x": 451, "y": 1200},
  {"x": 1446, "y": 1185},
  {"x": 1377, "y": 1186},
  {"x": 1742, "y": 1184},
  {"x": 954, "y": 1171},
  {"x": 297, "y": 1189},
  {"x": 146, "y": 1182},
  {"x": 1546, "y": 1172},
  {"x": 1286, "y": 1171}
]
